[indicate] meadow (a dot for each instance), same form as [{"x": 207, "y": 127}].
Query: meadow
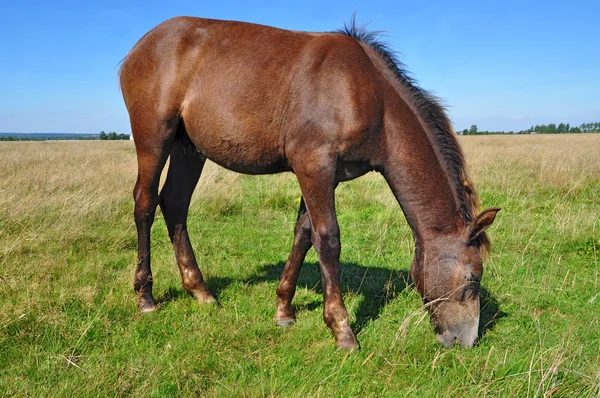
[{"x": 69, "y": 324}]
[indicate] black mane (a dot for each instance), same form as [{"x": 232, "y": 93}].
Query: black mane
[{"x": 433, "y": 113}]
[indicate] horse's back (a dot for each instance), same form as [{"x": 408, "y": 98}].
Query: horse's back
[
  {"x": 251, "y": 95},
  {"x": 183, "y": 54}
]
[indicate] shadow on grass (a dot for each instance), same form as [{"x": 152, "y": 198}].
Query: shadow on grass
[
  {"x": 172, "y": 293},
  {"x": 376, "y": 285},
  {"x": 489, "y": 313}
]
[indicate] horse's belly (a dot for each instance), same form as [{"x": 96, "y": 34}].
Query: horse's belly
[
  {"x": 244, "y": 155},
  {"x": 245, "y": 167}
]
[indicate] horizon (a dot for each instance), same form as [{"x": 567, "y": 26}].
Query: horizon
[
  {"x": 46, "y": 133},
  {"x": 502, "y": 67},
  {"x": 456, "y": 131}
]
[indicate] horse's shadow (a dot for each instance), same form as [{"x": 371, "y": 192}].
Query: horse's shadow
[
  {"x": 377, "y": 286},
  {"x": 490, "y": 312}
]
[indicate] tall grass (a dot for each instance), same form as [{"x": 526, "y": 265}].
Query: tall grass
[{"x": 69, "y": 323}]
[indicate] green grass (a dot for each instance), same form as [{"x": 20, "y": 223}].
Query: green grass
[{"x": 69, "y": 324}]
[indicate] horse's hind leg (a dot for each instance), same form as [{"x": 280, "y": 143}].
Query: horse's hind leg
[
  {"x": 289, "y": 277},
  {"x": 185, "y": 167},
  {"x": 152, "y": 143}
]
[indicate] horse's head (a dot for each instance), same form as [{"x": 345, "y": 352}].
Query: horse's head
[{"x": 447, "y": 274}]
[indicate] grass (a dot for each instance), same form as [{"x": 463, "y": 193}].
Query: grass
[{"x": 69, "y": 323}]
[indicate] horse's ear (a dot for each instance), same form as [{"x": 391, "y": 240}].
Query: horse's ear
[{"x": 481, "y": 223}]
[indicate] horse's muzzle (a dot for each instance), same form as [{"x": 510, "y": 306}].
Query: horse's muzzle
[
  {"x": 464, "y": 332},
  {"x": 456, "y": 320}
]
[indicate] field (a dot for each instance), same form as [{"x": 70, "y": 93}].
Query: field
[{"x": 69, "y": 324}]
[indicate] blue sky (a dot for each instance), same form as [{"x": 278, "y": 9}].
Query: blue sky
[{"x": 503, "y": 65}]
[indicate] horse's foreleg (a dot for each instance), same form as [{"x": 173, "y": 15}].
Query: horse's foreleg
[
  {"x": 317, "y": 182},
  {"x": 182, "y": 177},
  {"x": 289, "y": 277}
]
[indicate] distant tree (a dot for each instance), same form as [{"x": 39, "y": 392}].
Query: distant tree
[
  {"x": 112, "y": 135},
  {"x": 102, "y": 136},
  {"x": 593, "y": 127}
]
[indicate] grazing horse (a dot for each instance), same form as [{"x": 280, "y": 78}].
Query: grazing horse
[{"x": 328, "y": 107}]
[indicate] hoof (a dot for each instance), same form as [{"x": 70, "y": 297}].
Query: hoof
[
  {"x": 285, "y": 322},
  {"x": 204, "y": 297},
  {"x": 207, "y": 300},
  {"x": 349, "y": 344},
  {"x": 147, "y": 308},
  {"x": 146, "y": 305},
  {"x": 345, "y": 339}
]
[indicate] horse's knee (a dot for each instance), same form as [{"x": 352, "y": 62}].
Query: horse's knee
[{"x": 327, "y": 238}]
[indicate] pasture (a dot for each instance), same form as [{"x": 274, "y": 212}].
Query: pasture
[{"x": 69, "y": 323}]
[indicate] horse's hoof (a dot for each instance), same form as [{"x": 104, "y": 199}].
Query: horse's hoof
[
  {"x": 207, "y": 300},
  {"x": 146, "y": 306},
  {"x": 347, "y": 341},
  {"x": 285, "y": 322},
  {"x": 204, "y": 297},
  {"x": 348, "y": 345}
]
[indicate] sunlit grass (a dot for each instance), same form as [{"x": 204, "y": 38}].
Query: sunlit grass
[{"x": 69, "y": 323}]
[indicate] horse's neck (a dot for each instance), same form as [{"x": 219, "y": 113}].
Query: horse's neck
[{"x": 418, "y": 180}]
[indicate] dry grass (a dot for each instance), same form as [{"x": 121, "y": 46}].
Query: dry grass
[{"x": 529, "y": 162}]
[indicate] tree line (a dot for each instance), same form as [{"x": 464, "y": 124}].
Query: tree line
[
  {"x": 61, "y": 136},
  {"x": 11, "y": 138},
  {"x": 47, "y": 137},
  {"x": 112, "y": 136},
  {"x": 562, "y": 128}
]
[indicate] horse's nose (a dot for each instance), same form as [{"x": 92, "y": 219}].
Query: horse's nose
[{"x": 465, "y": 332}]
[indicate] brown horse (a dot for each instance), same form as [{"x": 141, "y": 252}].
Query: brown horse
[{"x": 328, "y": 107}]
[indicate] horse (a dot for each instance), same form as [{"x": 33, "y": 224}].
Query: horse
[{"x": 328, "y": 107}]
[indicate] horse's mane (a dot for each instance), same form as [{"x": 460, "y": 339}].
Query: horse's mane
[{"x": 438, "y": 126}]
